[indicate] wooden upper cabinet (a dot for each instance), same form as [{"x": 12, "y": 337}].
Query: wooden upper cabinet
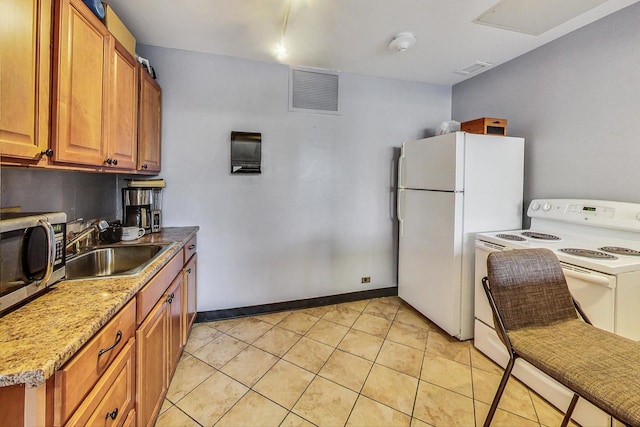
[
  {"x": 25, "y": 55},
  {"x": 149, "y": 123},
  {"x": 122, "y": 117},
  {"x": 80, "y": 69}
]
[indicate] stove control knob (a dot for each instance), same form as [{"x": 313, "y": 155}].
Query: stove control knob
[
  {"x": 546, "y": 207},
  {"x": 535, "y": 206}
]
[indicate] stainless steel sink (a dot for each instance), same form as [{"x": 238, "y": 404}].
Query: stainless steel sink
[{"x": 113, "y": 260}]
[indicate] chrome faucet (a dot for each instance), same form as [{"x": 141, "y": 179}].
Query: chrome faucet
[{"x": 95, "y": 227}]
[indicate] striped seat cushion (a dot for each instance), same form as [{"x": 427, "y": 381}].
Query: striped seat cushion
[{"x": 600, "y": 366}]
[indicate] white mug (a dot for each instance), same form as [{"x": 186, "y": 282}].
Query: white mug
[{"x": 132, "y": 233}]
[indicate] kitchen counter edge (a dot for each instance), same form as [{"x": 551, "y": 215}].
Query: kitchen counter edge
[{"x": 40, "y": 337}]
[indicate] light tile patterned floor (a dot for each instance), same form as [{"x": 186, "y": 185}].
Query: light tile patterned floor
[{"x": 367, "y": 363}]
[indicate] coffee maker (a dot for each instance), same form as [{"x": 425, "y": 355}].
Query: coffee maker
[
  {"x": 142, "y": 208},
  {"x": 156, "y": 208}
]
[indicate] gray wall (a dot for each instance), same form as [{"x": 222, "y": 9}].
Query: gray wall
[
  {"x": 577, "y": 102},
  {"x": 80, "y": 195},
  {"x": 320, "y": 216}
]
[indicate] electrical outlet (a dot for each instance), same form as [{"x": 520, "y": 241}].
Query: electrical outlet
[{"x": 365, "y": 279}]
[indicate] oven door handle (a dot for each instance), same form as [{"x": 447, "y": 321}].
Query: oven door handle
[
  {"x": 588, "y": 277},
  {"x": 51, "y": 251}
]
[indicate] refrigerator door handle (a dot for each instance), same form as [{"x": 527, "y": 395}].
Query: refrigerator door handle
[
  {"x": 400, "y": 167},
  {"x": 399, "y": 213}
]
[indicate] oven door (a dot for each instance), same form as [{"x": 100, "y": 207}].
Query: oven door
[{"x": 595, "y": 292}]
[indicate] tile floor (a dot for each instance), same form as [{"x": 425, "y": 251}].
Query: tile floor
[{"x": 374, "y": 362}]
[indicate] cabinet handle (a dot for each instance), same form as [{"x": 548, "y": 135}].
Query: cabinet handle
[
  {"x": 144, "y": 166},
  {"x": 48, "y": 152},
  {"x": 191, "y": 247},
  {"x": 113, "y": 414},
  {"x": 105, "y": 350},
  {"x": 170, "y": 297},
  {"x": 115, "y": 162},
  {"x": 189, "y": 270},
  {"x": 108, "y": 161}
]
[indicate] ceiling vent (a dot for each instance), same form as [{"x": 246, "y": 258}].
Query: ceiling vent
[
  {"x": 473, "y": 68},
  {"x": 314, "y": 90},
  {"x": 534, "y": 17}
]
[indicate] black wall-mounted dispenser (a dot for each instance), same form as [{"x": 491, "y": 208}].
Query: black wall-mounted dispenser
[{"x": 246, "y": 152}]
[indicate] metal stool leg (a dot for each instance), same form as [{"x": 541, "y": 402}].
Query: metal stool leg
[
  {"x": 501, "y": 387},
  {"x": 572, "y": 406}
]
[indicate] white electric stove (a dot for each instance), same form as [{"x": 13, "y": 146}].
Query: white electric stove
[{"x": 598, "y": 245}]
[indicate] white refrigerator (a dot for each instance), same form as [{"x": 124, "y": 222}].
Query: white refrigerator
[{"x": 449, "y": 188}]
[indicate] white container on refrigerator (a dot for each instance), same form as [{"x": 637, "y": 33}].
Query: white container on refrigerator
[{"x": 449, "y": 188}]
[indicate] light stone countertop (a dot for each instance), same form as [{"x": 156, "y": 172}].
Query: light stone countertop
[{"x": 40, "y": 337}]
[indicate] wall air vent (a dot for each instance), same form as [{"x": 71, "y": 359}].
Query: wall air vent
[{"x": 314, "y": 91}]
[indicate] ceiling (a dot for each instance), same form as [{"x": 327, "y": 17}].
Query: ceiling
[{"x": 354, "y": 35}]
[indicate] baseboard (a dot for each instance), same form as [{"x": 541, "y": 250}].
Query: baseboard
[{"x": 209, "y": 316}]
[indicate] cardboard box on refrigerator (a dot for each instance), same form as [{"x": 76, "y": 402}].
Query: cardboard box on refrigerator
[
  {"x": 119, "y": 30},
  {"x": 485, "y": 125}
]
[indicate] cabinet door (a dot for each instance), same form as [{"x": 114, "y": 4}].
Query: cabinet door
[
  {"x": 80, "y": 71},
  {"x": 190, "y": 299},
  {"x": 25, "y": 55},
  {"x": 13, "y": 404},
  {"x": 122, "y": 120},
  {"x": 152, "y": 338},
  {"x": 77, "y": 377},
  {"x": 176, "y": 321},
  {"x": 111, "y": 400},
  {"x": 130, "y": 421},
  {"x": 149, "y": 124}
]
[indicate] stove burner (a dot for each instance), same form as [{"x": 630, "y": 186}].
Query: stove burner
[
  {"x": 588, "y": 253},
  {"x": 540, "y": 236},
  {"x": 620, "y": 251},
  {"x": 511, "y": 237}
]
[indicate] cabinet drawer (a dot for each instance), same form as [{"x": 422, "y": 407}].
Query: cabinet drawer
[
  {"x": 152, "y": 291},
  {"x": 110, "y": 402},
  {"x": 189, "y": 249},
  {"x": 78, "y": 376}
]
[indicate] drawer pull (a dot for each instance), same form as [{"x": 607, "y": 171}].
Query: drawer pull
[
  {"x": 112, "y": 414},
  {"x": 191, "y": 247},
  {"x": 105, "y": 350}
]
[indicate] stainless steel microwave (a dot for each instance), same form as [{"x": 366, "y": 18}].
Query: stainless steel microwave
[{"x": 32, "y": 255}]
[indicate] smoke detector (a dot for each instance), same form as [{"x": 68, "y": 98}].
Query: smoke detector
[{"x": 402, "y": 42}]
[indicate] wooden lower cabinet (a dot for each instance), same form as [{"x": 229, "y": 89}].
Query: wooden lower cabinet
[
  {"x": 131, "y": 419},
  {"x": 112, "y": 399},
  {"x": 176, "y": 322},
  {"x": 12, "y": 398},
  {"x": 160, "y": 334},
  {"x": 121, "y": 376},
  {"x": 76, "y": 379},
  {"x": 190, "y": 295},
  {"x": 152, "y": 340}
]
